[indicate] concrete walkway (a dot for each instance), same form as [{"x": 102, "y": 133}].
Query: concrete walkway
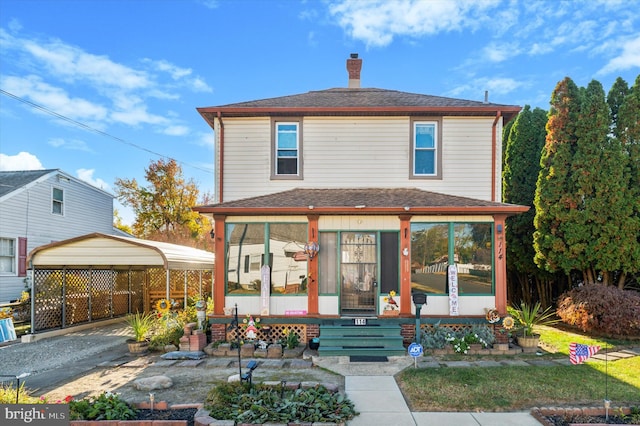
[{"x": 376, "y": 396}]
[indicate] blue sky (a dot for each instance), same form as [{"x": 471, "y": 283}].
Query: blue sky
[{"x": 133, "y": 72}]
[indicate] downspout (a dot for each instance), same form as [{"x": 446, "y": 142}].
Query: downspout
[
  {"x": 221, "y": 160},
  {"x": 494, "y": 154}
]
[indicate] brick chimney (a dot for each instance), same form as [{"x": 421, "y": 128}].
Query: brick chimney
[{"x": 354, "y": 65}]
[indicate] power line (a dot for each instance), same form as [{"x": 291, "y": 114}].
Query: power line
[{"x": 97, "y": 131}]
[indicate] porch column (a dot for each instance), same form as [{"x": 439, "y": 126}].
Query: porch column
[
  {"x": 499, "y": 254},
  {"x": 405, "y": 265},
  {"x": 219, "y": 264},
  {"x": 312, "y": 266}
]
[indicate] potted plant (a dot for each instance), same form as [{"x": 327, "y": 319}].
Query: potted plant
[
  {"x": 527, "y": 317},
  {"x": 141, "y": 325}
]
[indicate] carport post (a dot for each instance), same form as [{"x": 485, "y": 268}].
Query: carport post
[{"x": 168, "y": 289}]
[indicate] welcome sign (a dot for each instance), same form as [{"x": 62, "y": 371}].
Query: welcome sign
[{"x": 452, "y": 272}]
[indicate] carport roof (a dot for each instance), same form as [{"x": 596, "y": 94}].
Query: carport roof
[{"x": 102, "y": 250}]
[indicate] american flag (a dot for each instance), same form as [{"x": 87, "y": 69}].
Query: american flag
[{"x": 579, "y": 353}]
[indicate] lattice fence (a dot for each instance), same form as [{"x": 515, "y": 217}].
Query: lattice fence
[{"x": 275, "y": 333}]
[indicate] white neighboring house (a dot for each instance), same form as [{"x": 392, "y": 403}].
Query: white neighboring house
[{"x": 39, "y": 207}]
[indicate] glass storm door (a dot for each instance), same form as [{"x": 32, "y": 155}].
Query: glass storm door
[{"x": 358, "y": 260}]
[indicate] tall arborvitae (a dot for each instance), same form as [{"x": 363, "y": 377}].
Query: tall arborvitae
[
  {"x": 555, "y": 198},
  {"x": 628, "y": 132},
  {"x": 595, "y": 235},
  {"x": 522, "y": 163}
]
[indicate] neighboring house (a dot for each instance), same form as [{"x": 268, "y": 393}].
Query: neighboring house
[
  {"x": 390, "y": 184},
  {"x": 38, "y": 207}
]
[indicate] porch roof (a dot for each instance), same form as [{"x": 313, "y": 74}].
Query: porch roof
[
  {"x": 360, "y": 201},
  {"x": 112, "y": 250}
]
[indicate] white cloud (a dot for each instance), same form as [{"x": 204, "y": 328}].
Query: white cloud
[
  {"x": 87, "y": 176},
  {"x": 207, "y": 139},
  {"x": 21, "y": 161},
  {"x": 73, "y": 64},
  {"x": 53, "y": 98},
  {"x": 72, "y": 144},
  {"x": 500, "y": 52},
  {"x": 377, "y": 22},
  {"x": 628, "y": 58},
  {"x": 176, "y": 131}
]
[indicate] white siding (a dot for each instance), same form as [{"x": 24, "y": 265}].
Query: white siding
[
  {"x": 28, "y": 214},
  {"x": 346, "y": 152}
]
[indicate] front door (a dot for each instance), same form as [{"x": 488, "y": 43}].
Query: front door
[{"x": 358, "y": 269}]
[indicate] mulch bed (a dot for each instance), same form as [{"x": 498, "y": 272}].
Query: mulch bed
[
  {"x": 173, "y": 414},
  {"x": 582, "y": 419}
]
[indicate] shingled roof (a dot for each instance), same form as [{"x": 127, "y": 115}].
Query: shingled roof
[
  {"x": 359, "y": 101},
  {"x": 13, "y": 180},
  {"x": 360, "y": 201}
]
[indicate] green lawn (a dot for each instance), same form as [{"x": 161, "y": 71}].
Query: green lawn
[{"x": 510, "y": 388}]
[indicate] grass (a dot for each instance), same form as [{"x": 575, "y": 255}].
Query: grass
[{"x": 512, "y": 388}]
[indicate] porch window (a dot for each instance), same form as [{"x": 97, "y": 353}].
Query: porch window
[
  {"x": 287, "y": 149},
  {"x": 473, "y": 247},
  {"x": 327, "y": 261},
  {"x": 247, "y": 244},
  {"x": 429, "y": 257},
  {"x": 470, "y": 244},
  {"x": 244, "y": 242},
  {"x": 289, "y": 269}
]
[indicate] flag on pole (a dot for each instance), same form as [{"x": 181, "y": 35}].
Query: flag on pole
[{"x": 579, "y": 353}]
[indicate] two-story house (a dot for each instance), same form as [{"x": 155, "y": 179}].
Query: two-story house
[
  {"x": 38, "y": 207},
  {"x": 329, "y": 202}
]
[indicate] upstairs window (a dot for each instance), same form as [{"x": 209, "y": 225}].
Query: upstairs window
[
  {"x": 426, "y": 148},
  {"x": 424, "y": 163},
  {"x": 287, "y": 149},
  {"x": 57, "y": 206}
]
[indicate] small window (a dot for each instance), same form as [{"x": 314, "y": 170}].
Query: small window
[
  {"x": 7, "y": 256},
  {"x": 287, "y": 149},
  {"x": 57, "y": 206},
  {"x": 425, "y": 149}
]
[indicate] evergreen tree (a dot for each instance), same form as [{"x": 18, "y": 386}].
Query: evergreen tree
[
  {"x": 615, "y": 98},
  {"x": 555, "y": 200},
  {"x": 522, "y": 164},
  {"x": 628, "y": 133}
]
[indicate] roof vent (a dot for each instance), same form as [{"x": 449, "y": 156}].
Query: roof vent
[
  {"x": 486, "y": 96},
  {"x": 354, "y": 65}
]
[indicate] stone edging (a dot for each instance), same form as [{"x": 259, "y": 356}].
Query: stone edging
[{"x": 540, "y": 414}]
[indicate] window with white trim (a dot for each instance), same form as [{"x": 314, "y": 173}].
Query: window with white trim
[
  {"x": 425, "y": 148},
  {"x": 286, "y": 148},
  {"x": 7, "y": 256},
  {"x": 57, "y": 201}
]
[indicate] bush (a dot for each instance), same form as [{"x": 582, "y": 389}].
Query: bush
[
  {"x": 600, "y": 308},
  {"x": 106, "y": 406},
  {"x": 437, "y": 337},
  {"x": 279, "y": 404}
]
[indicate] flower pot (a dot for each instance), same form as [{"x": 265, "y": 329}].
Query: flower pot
[
  {"x": 390, "y": 313},
  {"x": 527, "y": 342},
  {"x": 138, "y": 348},
  {"x": 314, "y": 344}
]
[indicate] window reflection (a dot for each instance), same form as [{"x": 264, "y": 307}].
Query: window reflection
[{"x": 429, "y": 257}]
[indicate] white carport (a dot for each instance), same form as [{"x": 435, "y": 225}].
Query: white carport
[{"x": 99, "y": 276}]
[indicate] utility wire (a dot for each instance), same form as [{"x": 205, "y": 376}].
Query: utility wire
[{"x": 97, "y": 131}]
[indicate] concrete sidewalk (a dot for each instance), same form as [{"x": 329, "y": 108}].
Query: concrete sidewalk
[
  {"x": 380, "y": 402},
  {"x": 376, "y": 396}
]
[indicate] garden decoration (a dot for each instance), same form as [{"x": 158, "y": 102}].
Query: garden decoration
[
  {"x": 251, "y": 328},
  {"x": 311, "y": 249},
  {"x": 391, "y": 304},
  {"x": 492, "y": 316}
]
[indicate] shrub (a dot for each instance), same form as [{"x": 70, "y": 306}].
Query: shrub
[
  {"x": 600, "y": 308},
  {"x": 435, "y": 337},
  {"x": 8, "y": 395},
  {"x": 106, "y": 406},
  {"x": 279, "y": 404}
]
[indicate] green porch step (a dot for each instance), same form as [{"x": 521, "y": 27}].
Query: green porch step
[{"x": 345, "y": 339}]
